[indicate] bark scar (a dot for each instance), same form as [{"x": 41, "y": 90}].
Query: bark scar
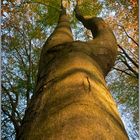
[
  {"x": 89, "y": 85},
  {"x": 86, "y": 84}
]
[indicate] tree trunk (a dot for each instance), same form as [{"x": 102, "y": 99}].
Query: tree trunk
[{"x": 72, "y": 101}]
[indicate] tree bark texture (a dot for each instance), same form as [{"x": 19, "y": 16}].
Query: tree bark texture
[{"x": 72, "y": 101}]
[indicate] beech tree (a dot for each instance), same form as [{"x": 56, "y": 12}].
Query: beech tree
[
  {"x": 71, "y": 99},
  {"x": 25, "y": 27}
]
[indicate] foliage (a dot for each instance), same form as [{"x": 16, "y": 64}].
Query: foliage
[
  {"x": 22, "y": 38},
  {"x": 89, "y": 8},
  {"x": 47, "y": 9},
  {"x": 125, "y": 93}
]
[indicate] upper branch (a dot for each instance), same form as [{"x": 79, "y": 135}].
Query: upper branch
[
  {"x": 62, "y": 32},
  {"x": 104, "y": 45}
]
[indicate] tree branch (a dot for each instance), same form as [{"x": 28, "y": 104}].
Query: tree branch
[
  {"x": 129, "y": 35},
  {"x": 13, "y": 104},
  {"x": 130, "y": 68},
  {"x": 124, "y": 52},
  {"x": 123, "y": 71},
  {"x": 13, "y": 120}
]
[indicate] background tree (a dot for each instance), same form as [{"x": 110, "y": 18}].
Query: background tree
[
  {"x": 125, "y": 84},
  {"x": 22, "y": 38},
  {"x": 25, "y": 27}
]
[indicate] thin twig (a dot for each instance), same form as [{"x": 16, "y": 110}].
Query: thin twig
[{"x": 129, "y": 35}]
